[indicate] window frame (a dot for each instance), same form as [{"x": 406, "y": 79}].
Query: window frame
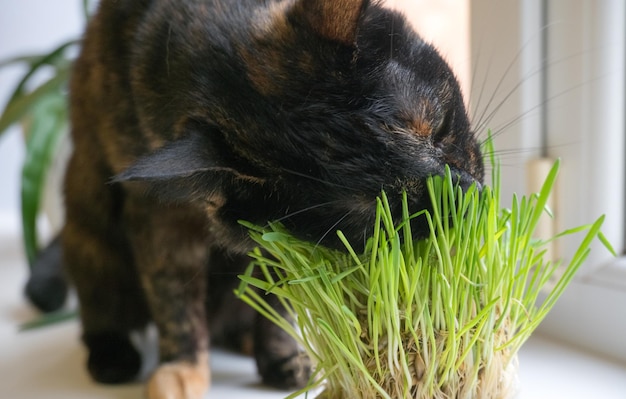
[{"x": 564, "y": 89}]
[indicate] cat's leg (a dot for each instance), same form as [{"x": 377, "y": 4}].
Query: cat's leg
[
  {"x": 170, "y": 248},
  {"x": 280, "y": 360},
  {"x": 99, "y": 262},
  {"x": 231, "y": 320}
]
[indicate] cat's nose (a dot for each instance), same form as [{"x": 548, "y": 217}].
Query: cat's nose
[{"x": 465, "y": 180}]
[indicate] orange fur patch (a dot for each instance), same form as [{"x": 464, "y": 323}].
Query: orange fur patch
[
  {"x": 421, "y": 127},
  {"x": 265, "y": 66},
  {"x": 181, "y": 380},
  {"x": 335, "y": 19}
]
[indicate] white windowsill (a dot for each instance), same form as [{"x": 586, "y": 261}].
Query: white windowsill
[{"x": 49, "y": 363}]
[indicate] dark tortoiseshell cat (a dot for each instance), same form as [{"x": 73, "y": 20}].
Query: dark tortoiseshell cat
[{"x": 189, "y": 115}]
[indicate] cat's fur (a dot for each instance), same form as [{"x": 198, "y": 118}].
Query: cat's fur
[{"x": 188, "y": 116}]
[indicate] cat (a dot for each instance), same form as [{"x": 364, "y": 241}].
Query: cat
[{"x": 191, "y": 115}]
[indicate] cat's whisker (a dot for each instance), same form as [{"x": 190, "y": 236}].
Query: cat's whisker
[
  {"x": 499, "y": 84},
  {"x": 303, "y": 210},
  {"x": 481, "y": 124},
  {"x": 478, "y": 101},
  {"x": 332, "y": 227},
  {"x": 513, "y": 151},
  {"x": 486, "y": 116},
  {"x": 393, "y": 26},
  {"x": 500, "y": 129},
  {"x": 315, "y": 179},
  {"x": 483, "y": 119}
]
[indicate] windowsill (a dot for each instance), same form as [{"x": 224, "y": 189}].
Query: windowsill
[
  {"x": 49, "y": 362},
  {"x": 552, "y": 370}
]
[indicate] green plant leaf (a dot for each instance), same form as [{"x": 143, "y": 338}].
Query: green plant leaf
[
  {"x": 55, "y": 59},
  {"x": 49, "y": 319},
  {"x": 23, "y": 105},
  {"x": 47, "y": 123},
  {"x": 21, "y": 59}
]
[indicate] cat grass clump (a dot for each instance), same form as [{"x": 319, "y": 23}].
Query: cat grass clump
[{"x": 441, "y": 317}]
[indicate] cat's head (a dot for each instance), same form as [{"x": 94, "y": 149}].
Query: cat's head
[{"x": 331, "y": 102}]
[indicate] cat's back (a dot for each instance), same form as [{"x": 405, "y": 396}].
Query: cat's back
[
  {"x": 143, "y": 63},
  {"x": 128, "y": 26},
  {"x": 153, "y": 38}
]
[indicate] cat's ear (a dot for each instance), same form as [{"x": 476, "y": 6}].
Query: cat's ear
[
  {"x": 336, "y": 20},
  {"x": 191, "y": 167},
  {"x": 188, "y": 155}
]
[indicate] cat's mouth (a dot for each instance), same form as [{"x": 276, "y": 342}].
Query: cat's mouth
[
  {"x": 355, "y": 214},
  {"x": 464, "y": 179}
]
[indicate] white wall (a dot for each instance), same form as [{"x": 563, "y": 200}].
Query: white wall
[{"x": 27, "y": 26}]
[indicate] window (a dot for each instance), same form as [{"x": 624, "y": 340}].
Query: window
[{"x": 549, "y": 79}]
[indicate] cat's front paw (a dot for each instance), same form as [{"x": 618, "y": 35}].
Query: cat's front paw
[
  {"x": 112, "y": 358},
  {"x": 290, "y": 372},
  {"x": 180, "y": 380}
]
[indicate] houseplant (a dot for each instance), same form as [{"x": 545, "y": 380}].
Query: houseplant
[{"x": 39, "y": 104}]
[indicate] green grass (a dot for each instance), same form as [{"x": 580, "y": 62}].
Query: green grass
[{"x": 441, "y": 317}]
